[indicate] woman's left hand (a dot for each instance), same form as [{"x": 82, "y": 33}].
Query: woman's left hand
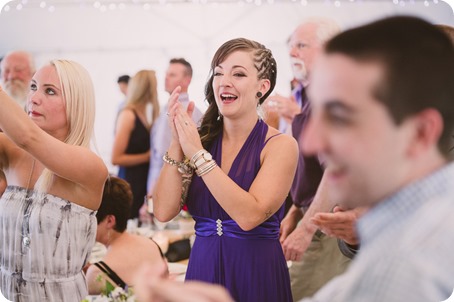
[{"x": 188, "y": 134}]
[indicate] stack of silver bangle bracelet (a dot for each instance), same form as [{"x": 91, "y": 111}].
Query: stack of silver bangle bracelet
[{"x": 201, "y": 162}]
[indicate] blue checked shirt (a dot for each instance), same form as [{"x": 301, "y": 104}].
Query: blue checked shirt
[{"x": 407, "y": 247}]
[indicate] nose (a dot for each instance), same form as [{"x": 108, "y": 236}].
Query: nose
[
  {"x": 292, "y": 51},
  {"x": 312, "y": 138},
  {"x": 34, "y": 97},
  {"x": 225, "y": 81}
]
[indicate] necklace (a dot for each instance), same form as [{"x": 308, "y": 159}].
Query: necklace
[{"x": 26, "y": 222}]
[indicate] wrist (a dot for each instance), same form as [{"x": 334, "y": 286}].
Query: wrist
[{"x": 202, "y": 162}]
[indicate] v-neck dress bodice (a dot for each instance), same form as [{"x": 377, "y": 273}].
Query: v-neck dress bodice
[{"x": 250, "y": 264}]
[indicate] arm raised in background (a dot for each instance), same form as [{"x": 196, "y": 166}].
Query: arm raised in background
[{"x": 72, "y": 163}]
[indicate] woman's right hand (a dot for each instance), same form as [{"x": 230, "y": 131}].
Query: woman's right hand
[{"x": 172, "y": 107}]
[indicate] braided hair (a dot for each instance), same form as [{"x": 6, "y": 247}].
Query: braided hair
[{"x": 266, "y": 67}]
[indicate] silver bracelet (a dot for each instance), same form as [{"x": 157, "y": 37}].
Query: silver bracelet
[{"x": 183, "y": 166}]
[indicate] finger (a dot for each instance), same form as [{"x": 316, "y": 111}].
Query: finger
[
  {"x": 333, "y": 217},
  {"x": 337, "y": 209},
  {"x": 190, "y": 109},
  {"x": 284, "y": 234}
]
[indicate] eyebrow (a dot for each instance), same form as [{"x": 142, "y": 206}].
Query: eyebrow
[
  {"x": 46, "y": 85},
  {"x": 233, "y": 67}
]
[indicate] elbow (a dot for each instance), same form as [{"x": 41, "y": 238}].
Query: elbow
[
  {"x": 162, "y": 216},
  {"x": 115, "y": 160},
  {"x": 248, "y": 224}
]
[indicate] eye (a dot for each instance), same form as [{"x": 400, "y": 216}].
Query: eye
[
  {"x": 338, "y": 120},
  {"x": 300, "y": 45},
  {"x": 239, "y": 74},
  {"x": 50, "y": 91},
  {"x": 216, "y": 74},
  {"x": 33, "y": 87}
]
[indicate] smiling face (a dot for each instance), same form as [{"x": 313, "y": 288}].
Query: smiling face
[
  {"x": 46, "y": 104},
  {"x": 365, "y": 152},
  {"x": 236, "y": 83}
]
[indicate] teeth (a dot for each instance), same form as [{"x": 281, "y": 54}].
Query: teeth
[{"x": 227, "y": 95}]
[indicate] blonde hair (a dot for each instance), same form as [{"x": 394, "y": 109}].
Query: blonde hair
[
  {"x": 79, "y": 97},
  {"x": 142, "y": 88}
]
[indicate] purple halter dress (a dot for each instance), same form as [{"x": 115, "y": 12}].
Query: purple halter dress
[{"x": 250, "y": 264}]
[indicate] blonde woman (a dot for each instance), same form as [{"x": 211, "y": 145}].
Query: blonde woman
[
  {"x": 47, "y": 212},
  {"x": 131, "y": 148}
]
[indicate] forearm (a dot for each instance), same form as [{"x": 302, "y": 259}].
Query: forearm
[
  {"x": 15, "y": 123},
  {"x": 294, "y": 213},
  {"x": 248, "y": 208},
  {"x": 128, "y": 160},
  {"x": 168, "y": 188},
  {"x": 320, "y": 203},
  {"x": 3, "y": 183}
]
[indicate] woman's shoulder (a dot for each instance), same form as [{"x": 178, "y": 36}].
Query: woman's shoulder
[{"x": 274, "y": 136}]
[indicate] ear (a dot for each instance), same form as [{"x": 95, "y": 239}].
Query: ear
[
  {"x": 427, "y": 132},
  {"x": 111, "y": 221},
  {"x": 187, "y": 80},
  {"x": 264, "y": 86}
]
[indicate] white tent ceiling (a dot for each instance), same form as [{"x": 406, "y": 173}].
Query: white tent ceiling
[{"x": 113, "y": 37}]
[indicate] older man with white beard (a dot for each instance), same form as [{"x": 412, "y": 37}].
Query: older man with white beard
[
  {"x": 316, "y": 257},
  {"x": 17, "y": 69}
]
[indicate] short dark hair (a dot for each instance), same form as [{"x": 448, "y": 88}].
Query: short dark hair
[
  {"x": 418, "y": 62},
  {"x": 116, "y": 201},
  {"x": 182, "y": 61},
  {"x": 123, "y": 79}
]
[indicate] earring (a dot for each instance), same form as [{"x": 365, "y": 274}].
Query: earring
[
  {"x": 219, "y": 117},
  {"x": 259, "y": 94}
]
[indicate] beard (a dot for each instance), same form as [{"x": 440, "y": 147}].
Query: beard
[
  {"x": 18, "y": 90},
  {"x": 299, "y": 69}
]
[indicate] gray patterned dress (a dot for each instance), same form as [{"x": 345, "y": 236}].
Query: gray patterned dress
[{"x": 44, "y": 243}]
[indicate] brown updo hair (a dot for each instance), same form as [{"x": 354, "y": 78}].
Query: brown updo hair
[{"x": 266, "y": 68}]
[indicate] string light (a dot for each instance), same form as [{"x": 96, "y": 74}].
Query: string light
[{"x": 111, "y": 5}]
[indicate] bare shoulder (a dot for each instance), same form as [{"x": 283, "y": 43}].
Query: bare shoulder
[
  {"x": 146, "y": 245},
  {"x": 280, "y": 141}
]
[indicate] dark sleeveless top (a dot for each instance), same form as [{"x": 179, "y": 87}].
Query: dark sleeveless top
[
  {"x": 250, "y": 264},
  {"x": 136, "y": 176}
]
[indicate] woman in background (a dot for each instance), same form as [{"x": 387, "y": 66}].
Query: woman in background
[
  {"x": 131, "y": 148},
  {"x": 55, "y": 183},
  {"x": 126, "y": 253}
]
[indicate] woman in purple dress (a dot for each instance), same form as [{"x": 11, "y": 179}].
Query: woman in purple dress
[{"x": 243, "y": 172}]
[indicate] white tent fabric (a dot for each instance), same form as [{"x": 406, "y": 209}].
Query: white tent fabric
[{"x": 140, "y": 34}]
